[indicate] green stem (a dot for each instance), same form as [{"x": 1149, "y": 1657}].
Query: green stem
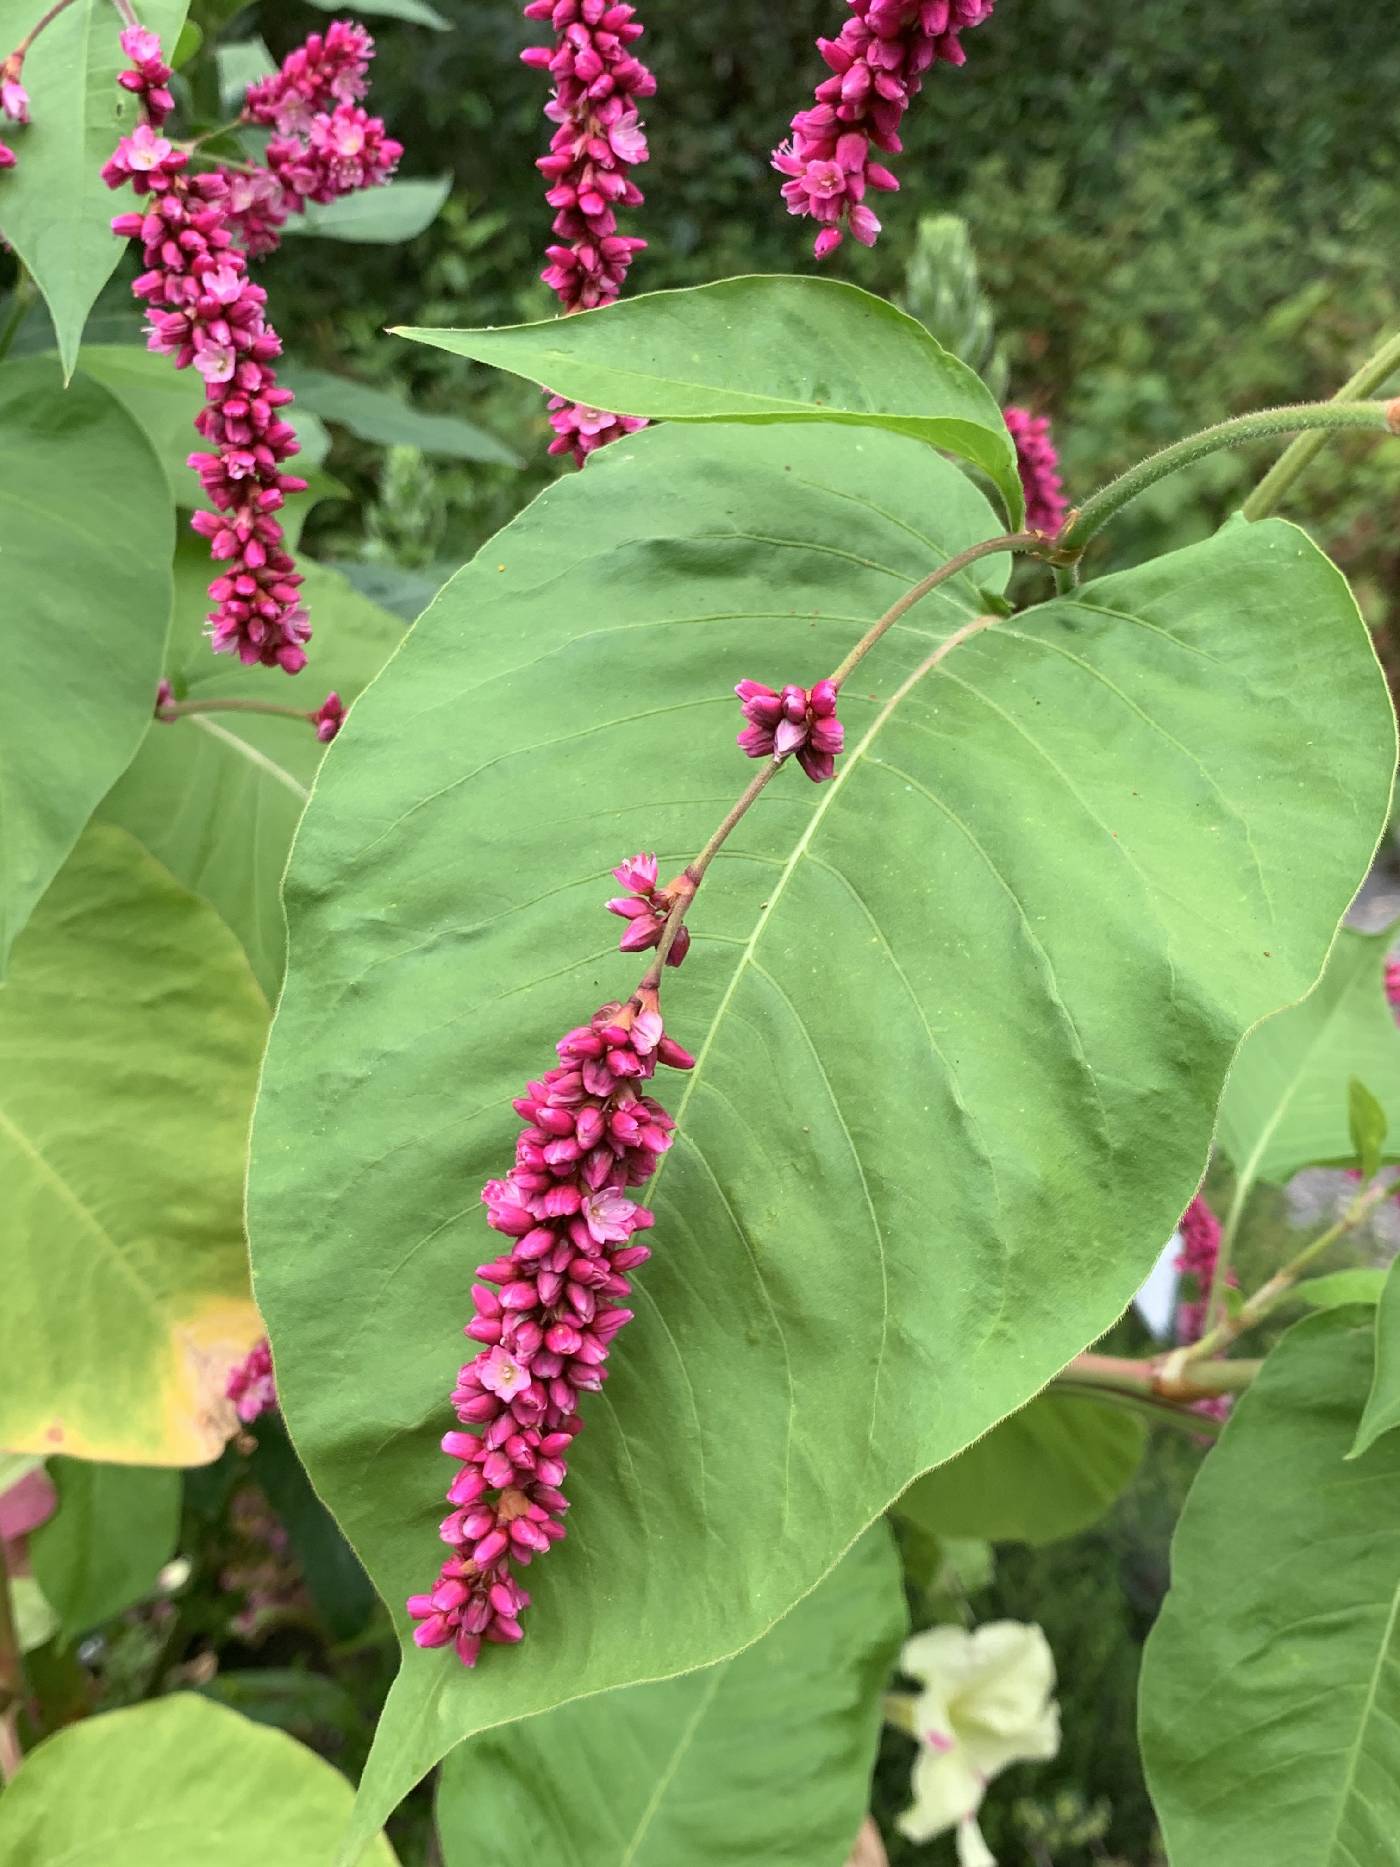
[
  {"x": 1164, "y": 1378},
  {"x": 1146, "y": 1406},
  {"x": 1269, "y": 1295},
  {"x": 21, "y": 298},
  {"x": 16, "y": 58},
  {"x": 1089, "y": 521},
  {"x": 1299, "y": 455},
  {"x": 177, "y": 709}
]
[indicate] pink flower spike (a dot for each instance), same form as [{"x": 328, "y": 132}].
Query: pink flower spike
[
  {"x": 250, "y": 1385},
  {"x": 1039, "y": 467},
  {"x": 877, "y": 67}
]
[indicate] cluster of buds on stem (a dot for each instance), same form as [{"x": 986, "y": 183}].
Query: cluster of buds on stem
[
  {"x": 798, "y": 721},
  {"x": 877, "y": 62},
  {"x": 546, "y": 1312},
  {"x": 1038, "y": 464},
  {"x": 646, "y": 908},
  {"x": 250, "y": 1385}
]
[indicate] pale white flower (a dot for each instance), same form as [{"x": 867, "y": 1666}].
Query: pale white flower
[{"x": 987, "y": 1703}]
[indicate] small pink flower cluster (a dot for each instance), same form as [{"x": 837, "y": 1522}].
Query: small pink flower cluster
[
  {"x": 148, "y": 78},
  {"x": 1200, "y": 1251},
  {"x": 14, "y": 102},
  {"x": 877, "y": 64},
  {"x": 580, "y": 430},
  {"x": 329, "y": 717},
  {"x": 1392, "y": 984},
  {"x": 1039, "y": 467},
  {"x": 205, "y": 311},
  {"x": 547, "y": 1326},
  {"x": 793, "y": 721},
  {"x": 646, "y": 907},
  {"x": 250, "y": 1385},
  {"x": 324, "y": 144}
]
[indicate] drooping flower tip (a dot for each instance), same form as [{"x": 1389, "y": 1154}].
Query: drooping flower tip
[
  {"x": 250, "y": 1385},
  {"x": 148, "y": 76},
  {"x": 877, "y": 66},
  {"x": 795, "y": 721},
  {"x": 646, "y": 908},
  {"x": 581, "y": 431},
  {"x": 545, "y": 1313},
  {"x": 329, "y": 717},
  {"x": 1038, "y": 464}
]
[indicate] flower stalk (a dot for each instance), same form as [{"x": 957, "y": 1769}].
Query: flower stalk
[
  {"x": 1302, "y": 418},
  {"x": 1299, "y": 455}
]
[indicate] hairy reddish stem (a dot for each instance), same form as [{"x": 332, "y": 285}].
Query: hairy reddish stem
[{"x": 16, "y": 57}]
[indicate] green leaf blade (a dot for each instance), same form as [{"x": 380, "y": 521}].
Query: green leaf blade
[
  {"x": 85, "y": 539},
  {"x": 1271, "y": 1682},
  {"x": 759, "y": 350},
  {"x": 177, "y": 1780},
  {"x": 384, "y": 216},
  {"x": 683, "y": 1773},
  {"x": 130, "y": 1034},
  {"x": 115, "y": 1529},
  {"x": 872, "y": 1087}
]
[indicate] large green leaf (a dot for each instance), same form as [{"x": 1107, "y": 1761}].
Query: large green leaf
[
  {"x": 398, "y": 211},
  {"x": 113, "y": 1532},
  {"x": 56, "y": 210},
  {"x": 172, "y": 1782},
  {"x": 1361, "y": 1285},
  {"x": 1049, "y": 1471},
  {"x": 216, "y": 796},
  {"x": 382, "y": 416},
  {"x": 763, "y": 1758},
  {"x": 1286, "y": 1103},
  {"x": 85, "y": 537},
  {"x": 962, "y": 1015},
  {"x": 130, "y": 1032},
  {"x": 759, "y": 350},
  {"x": 1382, "y": 1413},
  {"x": 1271, "y": 1683}
]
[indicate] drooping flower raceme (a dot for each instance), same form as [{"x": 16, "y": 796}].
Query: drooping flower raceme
[
  {"x": 207, "y": 314},
  {"x": 794, "y": 721},
  {"x": 1039, "y": 467},
  {"x": 599, "y": 139},
  {"x": 323, "y": 146},
  {"x": 987, "y": 1702},
  {"x": 250, "y": 1385},
  {"x": 645, "y": 907},
  {"x": 877, "y": 66},
  {"x": 546, "y": 1311}
]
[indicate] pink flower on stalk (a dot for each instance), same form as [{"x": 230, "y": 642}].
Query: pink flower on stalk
[
  {"x": 330, "y": 68},
  {"x": 329, "y": 717},
  {"x": 580, "y": 430},
  {"x": 545, "y": 1312},
  {"x": 14, "y": 100},
  {"x": 646, "y": 907},
  {"x": 1039, "y": 467},
  {"x": 7, "y": 156},
  {"x": 250, "y": 1385},
  {"x": 148, "y": 77},
  {"x": 877, "y": 63},
  {"x": 793, "y": 721},
  {"x": 1197, "y": 1259}
]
